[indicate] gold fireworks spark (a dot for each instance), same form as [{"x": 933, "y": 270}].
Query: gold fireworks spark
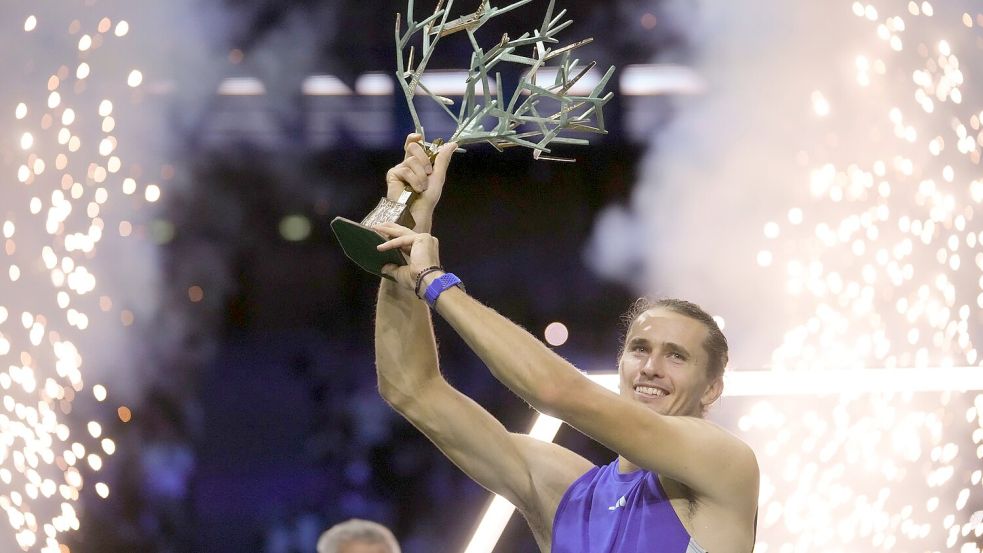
[
  {"x": 70, "y": 179},
  {"x": 885, "y": 255}
]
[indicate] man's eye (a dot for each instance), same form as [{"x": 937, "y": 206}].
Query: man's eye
[{"x": 676, "y": 355}]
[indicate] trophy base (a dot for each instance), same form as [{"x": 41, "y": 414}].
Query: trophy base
[{"x": 359, "y": 243}]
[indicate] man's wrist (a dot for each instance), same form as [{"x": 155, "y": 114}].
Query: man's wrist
[
  {"x": 439, "y": 285},
  {"x": 429, "y": 278},
  {"x": 420, "y": 286},
  {"x": 424, "y": 222}
]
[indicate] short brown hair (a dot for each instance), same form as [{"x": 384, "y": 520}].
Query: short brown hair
[{"x": 715, "y": 343}]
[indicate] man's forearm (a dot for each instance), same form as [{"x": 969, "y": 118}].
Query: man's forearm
[
  {"x": 516, "y": 357},
  {"x": 406, "y": 353}
]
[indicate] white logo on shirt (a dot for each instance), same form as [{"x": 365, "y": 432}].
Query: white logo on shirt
[{"x": 621, "y": 503}]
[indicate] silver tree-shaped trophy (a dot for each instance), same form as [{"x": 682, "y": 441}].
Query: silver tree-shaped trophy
[{"x": 533, "y": 117}]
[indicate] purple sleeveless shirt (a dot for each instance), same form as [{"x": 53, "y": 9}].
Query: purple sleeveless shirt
[{"x": 605, "y": 511}]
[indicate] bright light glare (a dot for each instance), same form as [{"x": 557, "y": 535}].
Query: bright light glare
[
  {"x": 556, "y": 334},
  {"x": 135, "y": 78}
]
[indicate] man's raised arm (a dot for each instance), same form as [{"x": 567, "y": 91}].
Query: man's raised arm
[{"x": 403, "y": 331}]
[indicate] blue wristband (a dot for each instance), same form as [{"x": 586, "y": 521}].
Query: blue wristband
[{"x": 439, "y": 284}]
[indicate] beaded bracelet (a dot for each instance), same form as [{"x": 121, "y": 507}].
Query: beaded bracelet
[{"x": 423, "y": 273}]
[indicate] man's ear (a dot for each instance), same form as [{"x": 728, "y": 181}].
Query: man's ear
[{"x": 713, "y": 392}]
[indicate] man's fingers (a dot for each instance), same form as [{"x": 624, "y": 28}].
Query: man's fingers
[
  {"x": 406, "y": 174},
  {"x": 420, "y": 168},
  {"x": 444, "y": 159},
  {"x": 410, "y": 139},
  {"x": 402, "y": 242},
  {"x": 415, "y": 152},
  {"x": 392, "y": 230}
]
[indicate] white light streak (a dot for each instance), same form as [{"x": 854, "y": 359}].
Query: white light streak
[
  {"x": 451, "y": 82},
  {"x": 374, "y": 84},
  {"x": 325, "y": 85},
  {"x": 659, "y": 79},
  {"x": 241, "y": 86}
]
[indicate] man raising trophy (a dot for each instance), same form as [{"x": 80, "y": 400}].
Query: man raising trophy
[{"x": 679, "y": 484}]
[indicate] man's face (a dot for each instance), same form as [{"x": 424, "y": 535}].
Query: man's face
[
  {"x": 664, "y": 364},
  {"x": 359, "y": 546}
]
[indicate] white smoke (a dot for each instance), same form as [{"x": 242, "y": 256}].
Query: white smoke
[{"x": 742, "y": 155}]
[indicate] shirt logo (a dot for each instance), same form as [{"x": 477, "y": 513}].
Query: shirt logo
[{"x": 621, "y": 503}]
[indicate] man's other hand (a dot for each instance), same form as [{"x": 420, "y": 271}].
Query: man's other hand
[{"x": 421, "y": 249}]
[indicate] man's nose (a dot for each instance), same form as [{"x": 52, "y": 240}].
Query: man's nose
[{"x": 653, "y": 366}]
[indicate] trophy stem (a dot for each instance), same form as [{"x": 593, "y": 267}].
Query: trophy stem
[
  {"x": 432, "y": 149},
  {"x": 389, "y": 211}
]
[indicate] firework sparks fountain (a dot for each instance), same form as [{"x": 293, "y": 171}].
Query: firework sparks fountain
[
  {"x": 882, "y": 263},
  {"x": 68, "y": 191}
]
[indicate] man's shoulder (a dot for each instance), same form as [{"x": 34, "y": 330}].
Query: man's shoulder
[
  {"x": 732, "y": 442},
  {"x": 730, "y": 471}
]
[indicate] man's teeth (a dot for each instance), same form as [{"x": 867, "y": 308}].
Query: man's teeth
[{"x": 648, "y": 390}]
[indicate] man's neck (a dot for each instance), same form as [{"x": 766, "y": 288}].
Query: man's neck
[{"x": 625, "y": 466}]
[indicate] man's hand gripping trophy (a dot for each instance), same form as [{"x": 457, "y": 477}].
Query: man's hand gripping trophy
[{"x": 425, "y": 178}]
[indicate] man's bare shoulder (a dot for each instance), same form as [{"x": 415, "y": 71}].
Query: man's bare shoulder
[{"x": 733, "y": 453}]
